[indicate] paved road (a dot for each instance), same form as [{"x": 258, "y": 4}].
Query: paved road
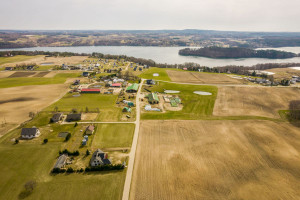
[{"x": 130, "y": 166}]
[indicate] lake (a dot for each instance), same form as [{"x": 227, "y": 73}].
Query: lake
[{"x": 166, "y": 54}]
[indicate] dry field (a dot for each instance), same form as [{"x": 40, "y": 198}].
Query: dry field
[
  {"x": 201, "y": 78},
  {"x": 54, "y": 60},
  {"x": 254, "y": 101},
  {"x": 17, "y": 102},
  {"x": 281, "y": 73},
  {"x": 217, "y": 160},
  {"x": 22, "y": 74}
]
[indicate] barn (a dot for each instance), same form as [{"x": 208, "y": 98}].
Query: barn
[
  {"x": 116, "y": 85},
  {"x": 88, "y": 90}
]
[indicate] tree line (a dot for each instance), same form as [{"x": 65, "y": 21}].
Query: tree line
[{"x": 235, "y": 52}]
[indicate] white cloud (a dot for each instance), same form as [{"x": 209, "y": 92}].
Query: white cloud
[{"x": 255, "y": 15}]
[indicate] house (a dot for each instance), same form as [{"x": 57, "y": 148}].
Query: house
[
  {"x": 30, "y": 67},
  {"x": 132, "y": 88},
  {"x": 89, "y": 130},
  {"x": 28, "y": 133},
  {"x": 116, "y": 85},
  {"x": 85, "y": 74},
  {"x": 9, "y": 68},
  {"x": 99, "y": 158},
  {"x": 56, "y": 117},
  {"x": 153, "y": 98},
  {"x": 73, "y": 117},
  {"x": 150, "y": 82},
  {"x": 89, "y": 90},
  {"x": 61, "y": 161}
]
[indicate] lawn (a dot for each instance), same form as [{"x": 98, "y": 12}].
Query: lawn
[
  {"x": 23, "y": 81},
  {"x": 194, "y": 106},
  {"x": 113, "y": 135},
  {"x": 4, "y": 60},
  {"x": 148, "y": 74},
  {"x": 24, "y": 162},
  {"x": 92, "y": 101}
]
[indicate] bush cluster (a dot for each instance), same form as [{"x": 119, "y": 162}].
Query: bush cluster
[{"x": 70, "y": 153}]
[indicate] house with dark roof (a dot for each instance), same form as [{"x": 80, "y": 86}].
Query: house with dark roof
[
  {"x": 61, "y": 161},
  {"x": 73, "y": 117},
  {"x": 29, "y": 133},
  {"x": 99, "y": 158},
  {"x": 9, "y": 68},
  {"x": 89, "y": 130},
  {"x": 56, "y": 117},
  {"x": 150, "y": 82}
]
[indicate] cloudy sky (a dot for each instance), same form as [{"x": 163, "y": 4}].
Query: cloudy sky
[{"x": 241, "y": 15}]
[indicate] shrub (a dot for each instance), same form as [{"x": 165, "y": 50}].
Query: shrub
[
  {"x": 45, "y": 141},
  {"x": 70, "y": 170},
  {"x": 74, "y": 153},
  {"x": 16, "y": 141},
  {"x": 87, "y": 152},
  {"x": 105, "y": 168}
]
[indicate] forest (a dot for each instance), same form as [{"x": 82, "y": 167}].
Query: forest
[{"x": 235, "y": 52}]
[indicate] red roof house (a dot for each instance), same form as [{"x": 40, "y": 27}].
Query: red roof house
[
  {"x": 116, "y": 85},
  {"x": 88, "y": 90}
]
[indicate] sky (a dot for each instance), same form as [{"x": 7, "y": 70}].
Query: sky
[{"x": 235, "y": 15}]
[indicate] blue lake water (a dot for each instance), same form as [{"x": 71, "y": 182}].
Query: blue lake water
[{"x": 165, "y": 54}]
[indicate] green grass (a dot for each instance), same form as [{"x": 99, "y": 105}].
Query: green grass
[
  {"x": 148, "y": 74},
  {"x": 92, "y": 101},
  {"x": 194, "y": 106},
  {"x": 5, "y": 60},
  {"x": 23, "y": 81},
  {"x": 113, "y": 135},
  {"x": 24, "y": 162}
]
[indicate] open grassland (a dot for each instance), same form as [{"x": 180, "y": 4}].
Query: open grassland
[
  {"x": 202, "y": 77},
  {"x": 7, "y": 61},
  {"x": 105, "y": 104},
  {"x": 113, "y": 135},
  {"x": 23, "y": 81},
  {"x": 255, "y": 101},
  {"x": 12, "y": 61},
  {"x": 24, "y": 162},
  {"x": 284, "y": 73},
  {"x": 249, "y": 159},
  {"x": 194, "y": 106},
  {"x": 148, "y": 74},
  {"x": 17, "y": 102}
]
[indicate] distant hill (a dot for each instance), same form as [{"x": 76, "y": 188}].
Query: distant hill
[{"x": 235, "y": 52}]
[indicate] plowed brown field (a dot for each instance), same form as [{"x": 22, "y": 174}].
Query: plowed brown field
[
  {"x": 217, "y": 160},
  {"x": 254, "y": 101}
]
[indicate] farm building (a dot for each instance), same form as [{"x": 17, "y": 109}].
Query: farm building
[
  {"x": 73, "y": 117},
  {"x": 57, "y": 117},
  {"x": 28, "y": 133},
  {"x": 88, "y": 90},
  {"x": 116, "y": 85},
  {"x": 132, "y": 88},
  {"x": 89, "y": 130},
  {"x": 150, "y": 82},
  {"x": 84, "y": 142},
  {"x": 99, "y": 158},
  {"x": 153, "y": 98},
  {"x": 61, "y": 161}
]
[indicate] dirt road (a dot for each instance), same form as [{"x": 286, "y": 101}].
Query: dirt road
[{"x": 133, "y": 146}]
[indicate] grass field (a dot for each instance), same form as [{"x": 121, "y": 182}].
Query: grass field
[
  {"x": 24, "y": 162},
  {"x": 23, "y": 81},
  {"x": 217, "y": 160},
  {"x": 148, "y": 74},
  {"x": 21, "y": 58},
  {"x": 255, "y": 101},
  {"x": 194, "y": 106},
  {"x": 113, "y": 135},
  {"x": 202, "y": 77}
]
